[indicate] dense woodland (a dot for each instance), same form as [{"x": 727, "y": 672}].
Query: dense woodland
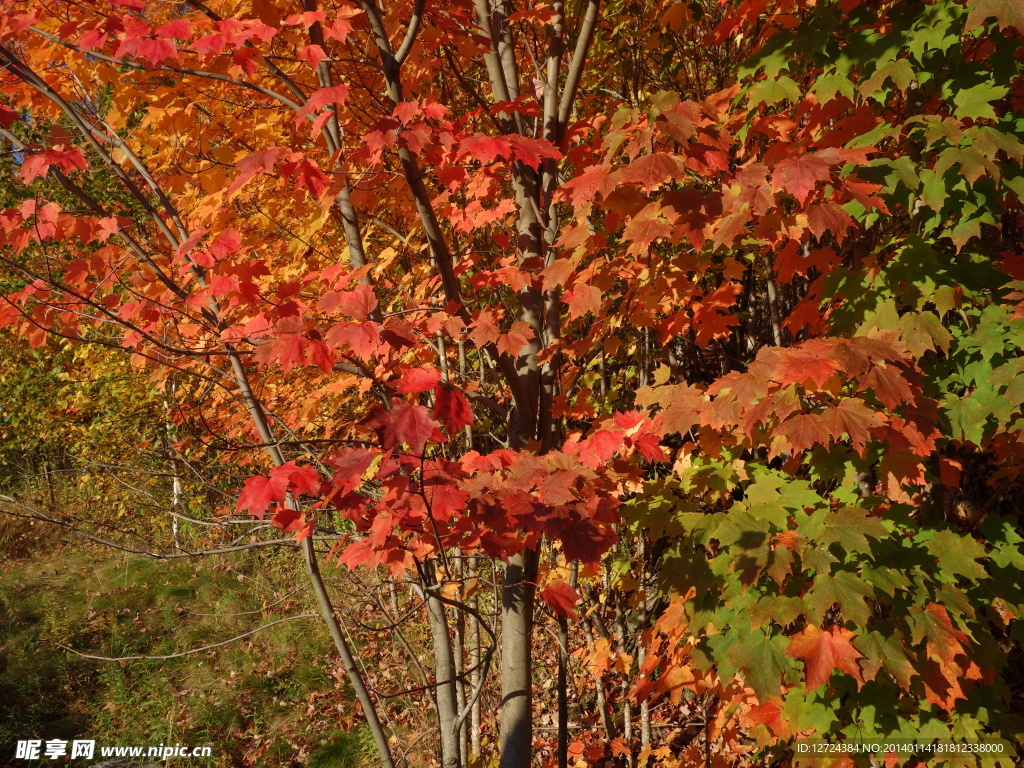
[{"x": 584, "y": 383}]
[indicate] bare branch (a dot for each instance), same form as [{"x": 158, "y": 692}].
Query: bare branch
[{"x": 193, "y": 650}]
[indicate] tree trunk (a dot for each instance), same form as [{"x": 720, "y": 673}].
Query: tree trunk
[
  {"x": 517, "y": 593},
  {"x": 474, "y": 661},
  {"x": 444, "y": 676}
]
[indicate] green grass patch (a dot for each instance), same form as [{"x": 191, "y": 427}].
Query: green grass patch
[{"x": 271, "y": 699}]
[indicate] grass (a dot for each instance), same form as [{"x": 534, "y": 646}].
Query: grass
[{"x": 271, "y": 699}]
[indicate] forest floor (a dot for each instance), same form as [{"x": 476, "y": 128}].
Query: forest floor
[{"x": 276, "y": 698}]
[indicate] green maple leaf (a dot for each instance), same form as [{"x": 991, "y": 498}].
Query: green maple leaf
[
  {"x": 923, "y": 331},
  {"x": 886, "y": 579},
  {"x": 845, "y": 588},
  {"x": 976, "y": 102},
  {"x": 1007, "y": 13},
  {"x": 849, "y": 527},
  {"x": 763, "y": 659},
  {"x": 958, "y": 554},
  {"x": 772, "y": 91},
  {"x": 884, "y": 652}
]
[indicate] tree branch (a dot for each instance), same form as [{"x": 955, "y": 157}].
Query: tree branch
[{"x": 193, "y": 650}]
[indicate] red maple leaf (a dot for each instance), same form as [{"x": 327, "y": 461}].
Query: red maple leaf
[
  {"x": 452, "y": 409},
  {"x": 298, "y": 480},
  {"x": 513, "y": 340},
  {"x": 259, "y": 493},
  {"x": 359, "y": 303},
  {"x": 823, "y": 651},
  {"x": 798, "y": 366},
  {"x": 801, "y": 432},
  {"x": 798, "y": 175},
  {"x": 250, "y": 165},
  {"x": 583, "y": 299},
  {"x": 350, "y": 464},
  {"x": 404, "y": 423},
  {"x": 446, "y": 501},
  {"x": 853, "y": 417},
  {"x": 562, "y": 598},
  {"x": 417, "y": 380},
  {"x": 653, "y": 170},
  {"x": 484, "y": 329},
  {"x": 337, "y": 94}
]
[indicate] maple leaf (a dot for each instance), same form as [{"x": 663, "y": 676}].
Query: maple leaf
[
  {"x": 933, "y": 623},
  {"x": 583, "y": 299},
  {"x": 307, "y": 175},
  {"x": 885, "y": 652},
  {"x": 888, "y": 384},
  {"x": 1007, "y": 13},
  {"x": 404, "y": 423},
  {"x": 799, "y": 175},
  {"x": 482, "y": 148},
  {"x": 732, "y": 226},
  {"x": 259, "y": 492},
  {"x": 8, "y": 116},
  {"x": 823, "y": 651},
  {"x": 359, "y": 303},
  {"x": 337, "y": 94},
  {"x": 853, "y": 417},
  {"x": 801, "y": 432},
  {"x": 362, "y": 338},
  {"x": 649, "y": 446},
  {"x": 417, "y": 380},
  {"x": 829, "y": 217},
  {"x": 942, "y": 683},
  {"x": 530, "y": 151},
  {"x": 604, "y": 444},
  {"x": 446, "y": 501},
  {"x": 484, "y": 329},
  {"x": 38, "y": 164},
  {"x": 253, "y": 163},
  {"x": 225, "y": 244},
  {"x": 156, "y": 51},
  {"x": 312, "y": 55},
  {"x": 298, "y": 480},
  {"x": 562, "y": 599},
  {"x": 771, "y": 715},
  {"x": 452, "y": 409},
  {"x": 849, "y": 527},
  {"x": 798, "y": 366},
  {"x": 584, "y": 186},
  {"x": 518, "y": 336},
  {"x": 653, "y": 170},
  {"x": 644, "y": 228},
  {"x": 317, "y": 354},
  {"x": 293, "y": 521},
  {"x": 350, "y": 464},
  {"x": 585, "y": 541},
  {"x": 763, "y": 662}
]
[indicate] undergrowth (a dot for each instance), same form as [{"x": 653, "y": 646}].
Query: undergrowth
[{"x": 276, "y": 698}]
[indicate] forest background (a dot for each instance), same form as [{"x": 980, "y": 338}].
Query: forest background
[{"x": 569, "y": 383}]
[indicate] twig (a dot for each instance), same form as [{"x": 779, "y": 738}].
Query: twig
[{"x": 194, "y": 650}]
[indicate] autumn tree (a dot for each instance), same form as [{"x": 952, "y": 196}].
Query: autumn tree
[{"x": 698, "y": 322}]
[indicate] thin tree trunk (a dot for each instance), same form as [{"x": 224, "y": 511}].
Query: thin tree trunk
[
  {"x": 602, "y": 698},
  {"x": 773, "y": 301},
  {"x": 627, "y": 708},
  {"x": 444, "y": 675},
  {"x": 459, "y": 651},
  {"x": 517, "y": 593},
  {"x": 474, "y": 660},
  {"x": 563, "y": 693}
]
